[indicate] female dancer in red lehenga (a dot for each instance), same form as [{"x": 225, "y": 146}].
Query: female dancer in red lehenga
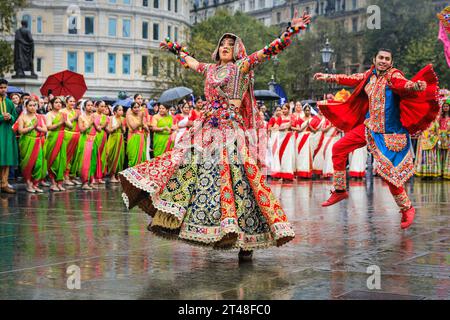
[{"x": 209, "y": 190}]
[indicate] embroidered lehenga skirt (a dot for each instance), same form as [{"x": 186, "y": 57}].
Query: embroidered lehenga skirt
[{"x": 209, "y": 190}]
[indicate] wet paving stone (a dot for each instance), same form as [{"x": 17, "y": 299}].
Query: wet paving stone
[{"x": 42, "y": 236}]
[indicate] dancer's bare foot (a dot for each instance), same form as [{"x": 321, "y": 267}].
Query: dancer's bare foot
[
  {"x": 68, "y": 182},
  {"x": 86, "y": 187},
  {"x": 114, "y": 180},
  {"x": 45, "y": 184},
  {"x": 37, "y": 189}
]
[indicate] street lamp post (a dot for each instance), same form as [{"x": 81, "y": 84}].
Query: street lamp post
[
  {"x": 327, "y": 54},
  {"x": 273, "y": 78}
]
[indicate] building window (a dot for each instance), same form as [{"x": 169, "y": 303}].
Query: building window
[
  {"x": 126, "y": 1},
  {"x": 355, "y": 24},
  {"x": 354, "y": 54},
  {"x": 145, "y": 3},
  {"x": 72, "y": 25},
  {"x": 144, "y": 65},
  {"x": 175, "y": 70},
  {"x": 169, "y": 31},
  {"x": 176, "y": 5},
  {"x": 112, "y": 1},
  {"x": 156, "y": 4},
  {"x": 88, "y": 62},
  {"x": 155, "y": 31},
  {"x": 112, "y": 27},
  {"x": 278, "y": 17},
  {"x": 262, "y": 4},
  {"x": 354, "y": 4},
  {"x": 126, "y": 64},
  {"x": 72, "y": 61},
  {"x": 168, "y": 69},
  {"x": 27, "y": 18},
  {"x": 88, "y": 25},
  {"x": 169, "y": 5},
  {"x": 252, "y": 4},
  {"x": 126, "y": 28},
  {"x": 39, "y": 25},
  {"x": 155, "y": 66},
  {"x": 39, "y": 64},
  {"x": 111, "y": 63},
  {"x": 144, "y": 30},
  {"x": 175, "y": 36}
]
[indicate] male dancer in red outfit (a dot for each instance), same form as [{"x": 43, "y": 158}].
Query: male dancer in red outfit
[{"x": 381, "y": 113}]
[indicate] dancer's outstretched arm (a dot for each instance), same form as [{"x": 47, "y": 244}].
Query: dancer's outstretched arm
[
  {"x": 402, "y": 86},
  {"x": 182, "y": 54},
  {"x": 352, "y": 80},
  {"x": 278, "y": 45}
]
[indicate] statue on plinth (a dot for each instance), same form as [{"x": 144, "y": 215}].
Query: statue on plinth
[{"x": 24, "y": 53}]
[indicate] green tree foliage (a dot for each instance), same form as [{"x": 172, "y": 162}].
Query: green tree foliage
[
  {"x": 296, "y": 65},
  {"x": 6, "y": 58},
  {"x": 424, "y": 50},
  {"x": 204, "y": 38},
  {"x": 410, "y": 29},
  {"x": 8, "y": 9}
]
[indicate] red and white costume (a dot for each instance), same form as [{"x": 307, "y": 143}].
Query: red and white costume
[
  {"x": 303, "y": 159},
  {"x": 285, "y": 156},
  {"x": 358, "y": 163}
]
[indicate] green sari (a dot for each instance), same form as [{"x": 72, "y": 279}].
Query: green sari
[
  {"x": 84, "y": 163},
  {"x": 71, "y": 138},
  {"x": 115, "y": 149},
  {"x": 161, "y": 140},
  {"x": 136, "y": 146},
  {"x": 56, "y": 151},
  {"x": 31, "y": 147}
]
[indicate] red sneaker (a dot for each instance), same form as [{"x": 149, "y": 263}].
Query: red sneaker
[
  {"x": 335, "y": 198},
  {"x": 407, "y": 217}
]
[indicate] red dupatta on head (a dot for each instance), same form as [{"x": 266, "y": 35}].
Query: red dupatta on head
[{"x": 417, "y": 109}]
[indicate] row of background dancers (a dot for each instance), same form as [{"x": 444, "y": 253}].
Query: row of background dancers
[
  {"x": 300, "y": 145},
  {"x": 82, "y": 142}
]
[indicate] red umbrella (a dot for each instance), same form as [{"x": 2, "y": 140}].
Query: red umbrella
[{"x": 65, "y": 83}]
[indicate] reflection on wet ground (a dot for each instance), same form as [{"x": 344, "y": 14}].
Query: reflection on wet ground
[{"x": 42, "y": 235}]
